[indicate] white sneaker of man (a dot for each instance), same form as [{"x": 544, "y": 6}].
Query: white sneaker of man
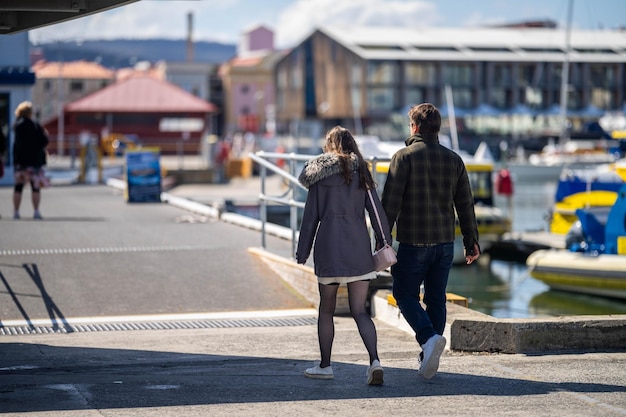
[{"x": 433, "y": 348}]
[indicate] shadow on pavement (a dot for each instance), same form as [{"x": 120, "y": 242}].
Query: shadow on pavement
[{"x": 52, "y": 378}]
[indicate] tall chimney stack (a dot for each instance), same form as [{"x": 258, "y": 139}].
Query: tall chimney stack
[{"x": 189, "y": 36}]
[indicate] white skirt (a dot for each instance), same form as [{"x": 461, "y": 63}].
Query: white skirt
[{"x": 345, "y": 280}]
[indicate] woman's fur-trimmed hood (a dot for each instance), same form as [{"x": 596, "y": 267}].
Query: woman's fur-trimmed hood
[{"x": 323, "y": 166}]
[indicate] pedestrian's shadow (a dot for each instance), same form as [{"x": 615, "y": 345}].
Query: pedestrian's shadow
[
  {"x": 54, "y": 312},
  {"x": 67, "y": 378}
]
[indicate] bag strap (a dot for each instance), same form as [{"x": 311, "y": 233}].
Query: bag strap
[{"x": 382, "y": 232}]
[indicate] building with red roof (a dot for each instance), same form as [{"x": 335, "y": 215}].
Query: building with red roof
[{"x": 152, "y": 111}]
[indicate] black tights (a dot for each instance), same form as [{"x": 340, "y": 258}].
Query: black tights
[{"x": 357, "y": 295}]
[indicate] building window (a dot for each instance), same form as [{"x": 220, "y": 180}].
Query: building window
[
  {"x": 380, "y": 98},
  {"x": 418, "y": 73},
  {"x": 76, "y": 86},
  {"x": 502, "y": 75},
  {"x": 413, "y": 96},
  {"x": 462, "y": 74},
  {"x": 602, "y": 75},
  {"x": 47, "y": 85},
  {"x": 245, "y": 88},
  {"x": 601, "y": 98},
  {"x": 381, "y": 72},
  {"x": 498, "y": 97},
  {"x": 282, "y": 76},
  {"x": 528, "y": 75},
  {"x": 462, "y": 97}
]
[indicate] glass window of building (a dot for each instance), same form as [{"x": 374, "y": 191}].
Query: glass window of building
[
  {"x": 462, "y": 97},
  {"x": 380, "y": 98},
  {"x": 296, "y": 72},
  {"x": 76, "y": 86},
  {"x": 413, "y": 96},
  {"x": 458, "y": 74},
  {"x": 282, "y": 77},
  {"x": 498, "y": 97},
  {"x": 601, "y": 98},
  {"x": 356, "y": 83},
  {"x": 528, "y": 75},
  {"x": 356, "y": 73},
  {"x": 602, "y": 75},
  {"x": 381, "y": 72},
  {"x": 502, "y": 75},
  {"x": 419, "y": 73}
]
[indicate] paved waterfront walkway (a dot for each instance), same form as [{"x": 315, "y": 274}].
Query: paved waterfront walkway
[
  {"x": 250, "y": 363},
  {"x": 257, "y": 371}
]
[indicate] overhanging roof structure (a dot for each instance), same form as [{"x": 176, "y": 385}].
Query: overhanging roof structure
[
  {"x": 20, "y": 15},
  {"x": 480, "y": 44}
]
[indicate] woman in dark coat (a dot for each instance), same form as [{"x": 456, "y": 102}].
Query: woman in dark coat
[
  {"x": 334, "y": 218},
  {"x": 29, "y": 155}
]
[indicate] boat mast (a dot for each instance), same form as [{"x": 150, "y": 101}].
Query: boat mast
[
  {"x": 454, "y": 137},
  {"x": 565, "y": 73}
]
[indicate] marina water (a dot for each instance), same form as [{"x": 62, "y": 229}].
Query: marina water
[{"x": 505, "y": 289}]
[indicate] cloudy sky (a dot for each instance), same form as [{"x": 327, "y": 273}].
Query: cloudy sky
[{"x": 292, "y": 20}]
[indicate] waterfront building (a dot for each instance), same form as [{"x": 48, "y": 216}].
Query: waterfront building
[
  {"x": 148, "y": 110},
  {"x": 63, "y": 82},
  {"x": 502, "y": 79},
  {"x": 248, "y": 82}
]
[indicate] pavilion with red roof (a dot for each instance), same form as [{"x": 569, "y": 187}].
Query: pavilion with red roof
[{"x": 155, "y": 112}]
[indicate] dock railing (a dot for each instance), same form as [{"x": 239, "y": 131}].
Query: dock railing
[{"x": 288, "y": 166}]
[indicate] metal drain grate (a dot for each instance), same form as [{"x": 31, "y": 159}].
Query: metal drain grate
[{"x": 157, "y": 325}]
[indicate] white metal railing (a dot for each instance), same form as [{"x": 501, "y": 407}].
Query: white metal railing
[{"x": 267, "y": 161}]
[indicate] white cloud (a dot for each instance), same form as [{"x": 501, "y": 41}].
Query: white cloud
[
  {"x": 299, "y": 19},
  {"x": 147, "y": 19}
]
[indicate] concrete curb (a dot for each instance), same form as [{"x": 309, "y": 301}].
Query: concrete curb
[{"x": 471, "y": 331}]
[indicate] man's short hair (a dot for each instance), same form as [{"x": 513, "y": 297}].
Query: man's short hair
[{"x": 427, "y": 117}]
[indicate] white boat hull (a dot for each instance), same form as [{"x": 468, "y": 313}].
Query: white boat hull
[{"x": 603, "y": 275}]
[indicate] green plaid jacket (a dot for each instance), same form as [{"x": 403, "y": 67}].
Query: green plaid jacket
[{"x": 426, "y": 182}]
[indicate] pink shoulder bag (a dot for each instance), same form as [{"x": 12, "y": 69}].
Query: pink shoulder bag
[{"x": 385, "y": 256}]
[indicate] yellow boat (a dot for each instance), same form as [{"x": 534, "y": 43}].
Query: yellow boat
[
  {"x": 595, "y": 260},
  {"x": 591, "y": 188},
  {"x": 603, "y": 274}
]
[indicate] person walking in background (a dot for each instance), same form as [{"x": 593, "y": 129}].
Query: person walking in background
[
  {"x": 334, "y": 218},
  {"x": 425, "y": 184},
  {"x": 29, "y": 156}
]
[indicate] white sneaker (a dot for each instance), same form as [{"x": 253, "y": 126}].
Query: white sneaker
[
  {"x": 375, "y": 373},
  {"x": 433, "y": 348},
  {"x": 319, "y": 373}
]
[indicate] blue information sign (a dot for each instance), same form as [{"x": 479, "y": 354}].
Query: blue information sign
[{"x": 143, "y": 175}]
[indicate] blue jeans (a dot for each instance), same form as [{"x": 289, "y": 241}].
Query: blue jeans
[{"x": 429, "y": 265}]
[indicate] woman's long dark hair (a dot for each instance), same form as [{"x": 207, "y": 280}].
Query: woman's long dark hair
[{"x": 340, "y": 141}]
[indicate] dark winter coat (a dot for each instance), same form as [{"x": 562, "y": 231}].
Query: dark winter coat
[
  {"x": 29, "y": 149},
  {"x": 334, "y": 218}
]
